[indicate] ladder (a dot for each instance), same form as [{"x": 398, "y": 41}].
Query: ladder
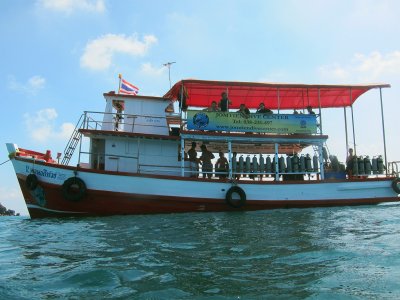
[{"x": 73, "y": 141}]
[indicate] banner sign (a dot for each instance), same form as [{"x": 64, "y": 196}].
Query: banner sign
[{"x": 268, "y": 123}]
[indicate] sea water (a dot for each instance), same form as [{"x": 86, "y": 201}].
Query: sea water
[{"x": 321, "y": 253}]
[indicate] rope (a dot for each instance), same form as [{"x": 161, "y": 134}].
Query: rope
[{"x": 5, "y": 162}]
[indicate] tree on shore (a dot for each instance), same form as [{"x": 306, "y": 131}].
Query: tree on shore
[{"x": 6, "y": 212}]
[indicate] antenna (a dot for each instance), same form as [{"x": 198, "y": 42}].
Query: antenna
[{"x": 168, "y": 65}]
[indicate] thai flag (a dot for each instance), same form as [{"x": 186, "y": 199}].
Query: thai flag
[{"x": 128, "y": 88}]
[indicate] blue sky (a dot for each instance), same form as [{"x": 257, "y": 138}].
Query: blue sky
[{"x": 59, "y": 56}]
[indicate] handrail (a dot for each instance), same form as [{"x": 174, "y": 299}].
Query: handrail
[
  {"x": 393, "y": 168},
  {"x": 91, "y": 118}
]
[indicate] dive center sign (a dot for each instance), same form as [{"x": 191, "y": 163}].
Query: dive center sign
[{"x": 269, "y": 123}]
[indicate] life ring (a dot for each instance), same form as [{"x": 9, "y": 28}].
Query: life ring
[
  {"x": 236, "y": 203},
  {"x": 73, "y": 189},
  {"x": 395, "y": 185},
  {"x": 31, "y": 182}
]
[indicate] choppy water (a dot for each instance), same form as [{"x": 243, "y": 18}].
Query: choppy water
[{"x": 325, "y": 253}]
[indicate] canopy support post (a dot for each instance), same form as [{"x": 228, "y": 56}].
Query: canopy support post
[
  {"x": 230, "y": 158},
  {"x": 345, "y": 129},
  {"x": 183, "y": 157},
  {"x": 383, "y": 129},
  {"x": 320, "y": 115},
  {"x": 321, "y": 161},
  {"x": 181, "y": 99},
  {"x": 276, "y": 163},
  {"x": 352, "y": 121}
]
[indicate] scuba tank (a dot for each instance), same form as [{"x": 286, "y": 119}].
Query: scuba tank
[
  {"x": 355, "y": 165},
  {"x": 295, "y": 163},
  {"x": 380, "y": 164},
  {"x": 367, "y": 165},
  {"x": 374, "y": 165},
  {"x": 308, "y": 163},
  {"x": 268, "y": 165},
  {"x": 324, "y": 154},
  {"x": 282, "y": 165},
  {"x": 360, "y": 165},
  {"x": 234, "y": 164},
  {"x": 248, "y": 165},
  {"x": 302, "y": 164},
  {"x": 262, "y": 164},
  {"x": 288, "y": 164},
  {"x": 315, "y": 162},
  {"x": 241, "y": 164},
  {"x": 255, "y": 164},
  {"x": 334, "y": 163},
  {"x": 273, "y": 165}
]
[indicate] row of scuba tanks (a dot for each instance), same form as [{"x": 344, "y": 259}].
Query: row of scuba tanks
[
  {"x": 305, "y": 164},
  {"x": 290, "y": 164},
  {"x": 366, "y": 166}
]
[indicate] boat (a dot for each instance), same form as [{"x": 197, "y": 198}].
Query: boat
[{"x": 132, "y": 158}]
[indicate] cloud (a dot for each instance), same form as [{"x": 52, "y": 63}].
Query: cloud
[
  {"x": 41, "y": 126},
  {"x": 149, "y": 69},
  {"x": 32, "y": 86},
  {"x": 99, "y": 53},
  {"x": 367, "y": 68},
  {"x": 69, "y": 6}
]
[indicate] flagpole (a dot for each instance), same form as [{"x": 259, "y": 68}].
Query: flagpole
[
  {"x": 119, "y": 84},
  {"x": 168, "y": 65}
]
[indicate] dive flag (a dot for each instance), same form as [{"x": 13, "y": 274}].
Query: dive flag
[{"x": 128, "y": 88}]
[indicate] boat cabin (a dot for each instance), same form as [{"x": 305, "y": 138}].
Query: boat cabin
[{"x": 153, "y": 135}]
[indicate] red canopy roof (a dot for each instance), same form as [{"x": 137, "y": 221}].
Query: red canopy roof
[{"x": 201, "y": 93}]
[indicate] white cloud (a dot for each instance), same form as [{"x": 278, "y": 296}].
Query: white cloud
[
  {"x": 149, "y": 69},
  {"x": 366, "y": 68},
  {"x": 99, "y": 53},
  {"x": 32, "y": 86},
  {"x": 41, "y": 126},
  {"x": 69, "y": 6}
]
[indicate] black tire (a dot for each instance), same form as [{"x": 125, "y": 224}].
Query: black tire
[
  {"x": 31, "y": 182},
  {"x": 74, "y": 189},
  {"x": 395, "y": 185},
  {"x": 236, "y": 203}
]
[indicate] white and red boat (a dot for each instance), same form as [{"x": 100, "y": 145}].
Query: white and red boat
[{"x": 129, "y": 156}]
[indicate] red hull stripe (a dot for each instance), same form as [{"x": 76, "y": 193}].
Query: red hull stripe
[{"x": 102, "y": 203}]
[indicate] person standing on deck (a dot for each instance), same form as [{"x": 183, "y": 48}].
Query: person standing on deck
[
  {"x": 224, "y": 102},
  {"x": 222, "y": 166},
  {"x": 194, "y": 162},
  {"x": 205, "y": 158}
]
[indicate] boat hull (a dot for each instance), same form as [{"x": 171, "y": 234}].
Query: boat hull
[{"x": 112, "y": 193}]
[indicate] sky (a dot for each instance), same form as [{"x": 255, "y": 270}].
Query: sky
[{"x": 59, "y": 56}]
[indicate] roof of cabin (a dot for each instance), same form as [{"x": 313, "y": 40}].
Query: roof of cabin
[{"x": 200, "y": 93}]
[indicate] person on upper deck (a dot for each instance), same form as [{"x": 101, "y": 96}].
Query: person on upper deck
[
  {"x": 224, "y": 102},
  {"x": 244, "y": 111},
  {"x": 310, "y": 111},
  {"x": 262, "y": 110},
  {"x": 213, "y": 107}
]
